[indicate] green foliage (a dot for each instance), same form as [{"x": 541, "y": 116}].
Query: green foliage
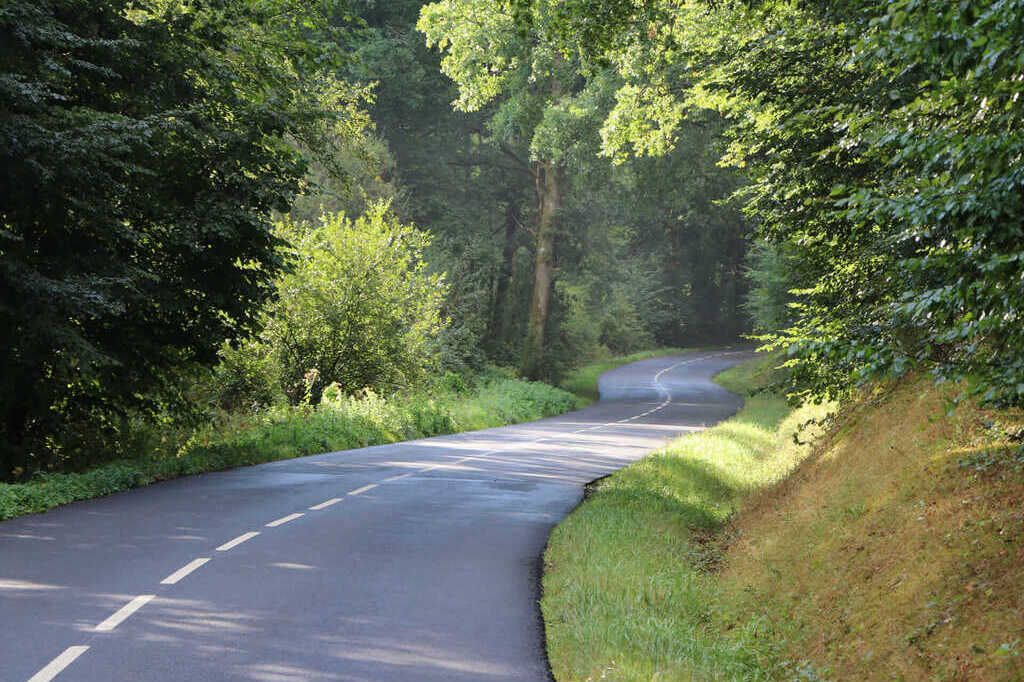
[
  {"x": 881, "y": 142},
  {"x": 357, "y": 306},
  {"x": 246, "y": 376},
  {"x": 643, "y": 253},
  {"x": 771, "y": 281},
  {"x": 143, "y": 149},
  {"x": 339, "y": 422}
]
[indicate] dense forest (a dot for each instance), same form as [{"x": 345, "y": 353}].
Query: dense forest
[{"x": 214, "y": 207}]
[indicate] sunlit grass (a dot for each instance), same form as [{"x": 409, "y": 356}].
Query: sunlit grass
[{"x": 627, "y": 589}]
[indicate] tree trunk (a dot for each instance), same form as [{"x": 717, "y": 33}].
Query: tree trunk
[
  {"x": 548, "y": 178},
  {"x": 499, "y": 326}
]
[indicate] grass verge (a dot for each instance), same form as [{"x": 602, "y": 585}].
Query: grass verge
[
  {"x": 893, "y": 548},
  {"x": 582, "y": 381},
  {"x": 629, "y": 583},
  {"x": 283, "y": 432}
]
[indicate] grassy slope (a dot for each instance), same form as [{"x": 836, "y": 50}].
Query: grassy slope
[
  {"x": 626, "y": 588},
  {"x": 284, "y": 432},
  {"x": 897, "y": 550},
  {"x": 894, "y": 551}
]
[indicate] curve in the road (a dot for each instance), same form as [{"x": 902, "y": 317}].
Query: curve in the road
[{"x": 410, "y": 561}]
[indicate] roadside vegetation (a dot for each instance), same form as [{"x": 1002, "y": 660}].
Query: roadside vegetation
[
  {"x": 892, "y": 542},
  {"x": 253, "y": 422},
  {"x": 627, "y": 586},
  {"x": 282, "y": 431}
]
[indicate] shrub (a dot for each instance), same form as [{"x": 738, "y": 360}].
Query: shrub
[{"x": 358, "y": 306}]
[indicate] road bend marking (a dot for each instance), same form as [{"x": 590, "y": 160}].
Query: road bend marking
[
  {"x": 231, "y": 544},
  {"x": 57, "y": 665},
  {"x": 519, "y": 446},
  {"x": 365, "y": 488},
  {"x": 124, "y": 612},
  {"x": 325, "y": 504},
  {"x": 284, "y": 519},
  {"x": 184, "y": 571}
]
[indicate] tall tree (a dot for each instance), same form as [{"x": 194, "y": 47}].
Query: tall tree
[
  {"x": 498, "y": 51},
  {"x": 143, "y": 148}
]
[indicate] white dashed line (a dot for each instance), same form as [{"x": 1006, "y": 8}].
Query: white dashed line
[
  {"x": 326, "y": 504},
  {"x": 231, "y": 544},
  {"x": 284, "y": 519},
  {"x": 68, "y": 656},
  {"x": 520, "y": 446},
  {"x": 54, "y": 667},
  {"x": 124, "y": 612},
  {"x": 184, "y": 571}
]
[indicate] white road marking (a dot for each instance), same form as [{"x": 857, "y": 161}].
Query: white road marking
[
  {"x": 68, "y": 656},
  {"x": 184, "y": 571},
  {"x": 284, "y": 519},
  {"x": 57, "y": 665},
  {"x": 326, "y": 504},
  {"x": 519, "y": 446},
  {"x": 231, "y": 544},
  {"x": 124, "y": 612}
]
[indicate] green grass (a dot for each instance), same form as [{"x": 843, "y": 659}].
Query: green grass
[
  {"x": 285, "y": 431},
  {"x": 582, "y": 381},
  {"x": 629, "y": 590}
]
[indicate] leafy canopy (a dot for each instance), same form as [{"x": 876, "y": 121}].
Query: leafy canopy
[{"x": 143, "y": 149}]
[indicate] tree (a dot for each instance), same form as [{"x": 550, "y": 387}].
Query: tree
[
  {"x": 143, "y": 149},
  {"x": 882, "y": 144},
  {"x": 497, "y": 51}
]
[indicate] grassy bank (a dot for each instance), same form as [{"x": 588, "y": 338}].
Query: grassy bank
[
  {"x": 285, "y": 431},
  {"x": 893, "y": 550},
  {"x": 630, "y": 572},
  {"x": 582, "y": 381}
]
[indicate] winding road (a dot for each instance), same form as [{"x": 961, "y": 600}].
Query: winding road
[{"x": 416, "y": 561}]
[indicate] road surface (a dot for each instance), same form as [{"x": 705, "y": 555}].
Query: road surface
[{"x": 416, "y": 561}]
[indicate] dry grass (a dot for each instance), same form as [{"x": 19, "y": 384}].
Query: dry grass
[{"x": 896, "y": 551}]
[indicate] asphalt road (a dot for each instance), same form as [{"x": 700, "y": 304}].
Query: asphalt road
[{"x": 416, "y": 561}]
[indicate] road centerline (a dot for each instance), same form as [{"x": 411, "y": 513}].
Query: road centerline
[
  {"x": 57, "y": 665},
  {"x": 325, "y": 504},
  {"x": 175, "y": 577},
  {"x": 123, "y": 613},
  {"x": 231, "y": 544},
  {"x": 284, "y": 519},
  {"x": 365, "y": 488}
]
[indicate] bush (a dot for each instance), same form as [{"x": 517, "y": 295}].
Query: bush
[
  {"x": 246, "y": 376},
  {"x": 358, "y": 306}
]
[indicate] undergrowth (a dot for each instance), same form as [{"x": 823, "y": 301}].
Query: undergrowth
[{"x": 285, "y": 431}]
